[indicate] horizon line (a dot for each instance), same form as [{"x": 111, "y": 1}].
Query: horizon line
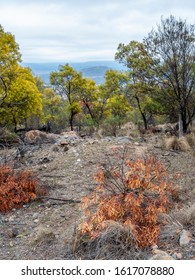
[{"x": 85, "y": 61}]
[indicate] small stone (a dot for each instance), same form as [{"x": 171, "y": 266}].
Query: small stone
[
  {"x": 11, "y": 244},
  {"x": 185, "y": 237},
  {"x": 11, "y": 218},
  {"x": 63, "y": 143},
  {"x": 35, "y": 215},
  {"x": 166, "y": 154},
  {"x": 161, "y": 255},
  {"x": 82, "y": 135},
  {"x": 12, "y": 232},
  {"x": 44, "y": 160},
  {"x": 63, "y": 215},
  {"x": 136, "y": 144},
  {"x": 177, "y": 256},
  {"x": 154, "y": 247},
  {"x": 36, "y": 221}
]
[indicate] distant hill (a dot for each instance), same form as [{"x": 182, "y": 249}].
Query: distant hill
[
  {"x": 95, "y": 73},
  {"x": 93, "y": 69}
]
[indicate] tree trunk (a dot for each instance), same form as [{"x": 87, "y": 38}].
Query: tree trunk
[
  {"x": 183, "y": 124},
  {"x": 71, "y": 120},
  {"x": 89, "y": 110},
  {"x": 184, "y": 120},
  {"x": 15, "y": 124},
  {"x": 142, "y": 113},
  {"x": 180, "y": 126}
]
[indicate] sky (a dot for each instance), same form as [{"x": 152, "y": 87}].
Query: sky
[{"x": 84, "y": 30}]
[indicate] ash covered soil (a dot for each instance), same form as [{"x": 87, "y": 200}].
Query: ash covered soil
[{"x": 44, "y": 228}]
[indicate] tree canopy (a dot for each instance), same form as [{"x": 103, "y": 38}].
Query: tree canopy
[
  {"x": 172, "y": 48},
  {"x": 158, "y": 81},
  {"x": 67, "y": 83},
  {"x": 22, "y": 100},
  {"x": 19, "y": 95},
  {"x": 161, "y": 70}
]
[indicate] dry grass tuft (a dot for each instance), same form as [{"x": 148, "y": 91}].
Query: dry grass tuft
[
  {"x": 185, "y": 215},
  {"x": 190, "y": 138},
  {"x": 170, "y": 228},
  {"x": 177, "y": 144},
  {"x": 175, "y": 222},
  {"x": 116, "y": 242}
]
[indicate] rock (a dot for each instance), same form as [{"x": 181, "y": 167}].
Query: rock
[
  {"x": 44, "y": 160},
  {"x": 41, "y": 235},
  {"x": 83, "y": 135},
  {"x": 63, "y": 143},
  {"x": 69, "y": 133},
  {"x": 166, "y": 154},
  {"x": 11, "y": 218},
  {"x": 68, "y": 138},
  {"x": 37, "y": 137},
  {"x": 12, "y": 232},
  {"x": 185, "y": 237},
  {"x": 34, "y": 136},
  {"x": 136, "y": 144},
  {"x": 36, "y": 221},
  {"x": 66, "y": 148},
  {"x": 161, "y": 255},
  {"x": 52, "y": 138},
  {"x": 123, "y": 140},
  {"x": 92, "y": 141},
  {"x": 35, "y": 215},
  {"x": 11, "y": 244},
  {"x": 177, "y": 256}
]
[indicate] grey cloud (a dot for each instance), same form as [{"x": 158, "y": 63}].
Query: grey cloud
[{"x": 49, "y": 30}]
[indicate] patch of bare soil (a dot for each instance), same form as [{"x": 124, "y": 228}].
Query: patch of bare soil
[{"x": 43, "y": 229}]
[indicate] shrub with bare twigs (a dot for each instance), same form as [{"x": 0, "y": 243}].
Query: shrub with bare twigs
[{"x": 132, "y": 194}]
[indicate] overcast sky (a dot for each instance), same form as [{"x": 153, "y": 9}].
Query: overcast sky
[{"x": 84, "y": 30}]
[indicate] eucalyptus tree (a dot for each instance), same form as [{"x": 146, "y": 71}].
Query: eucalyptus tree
[
  {"x": 140, "y": 85},
  {"x": 67, "y": 83},
  {"x": 172, "y": 48},
  {"x": 9, "y": 59}
]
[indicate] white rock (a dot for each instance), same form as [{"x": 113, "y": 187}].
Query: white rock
[
  {"x": 185, "y": 237},
  {"x": 11, "y": 218},
  {"x": 35, "y": 215},
  {"x": 161, "y": 255},
  {"x": 11, "y": 244}
]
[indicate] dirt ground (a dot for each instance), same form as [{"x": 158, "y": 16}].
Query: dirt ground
[{"x": 43, "y": 229}]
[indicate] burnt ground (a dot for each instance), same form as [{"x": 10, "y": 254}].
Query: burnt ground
[{"x": 43, "y": 229}]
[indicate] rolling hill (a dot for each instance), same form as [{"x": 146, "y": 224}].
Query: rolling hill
[{"x": 94, "y": 70}]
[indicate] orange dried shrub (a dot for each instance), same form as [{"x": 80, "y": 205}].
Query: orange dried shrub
[
  {"x": 132, "y": 194},
  {"x": 16, "y": 188}
]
